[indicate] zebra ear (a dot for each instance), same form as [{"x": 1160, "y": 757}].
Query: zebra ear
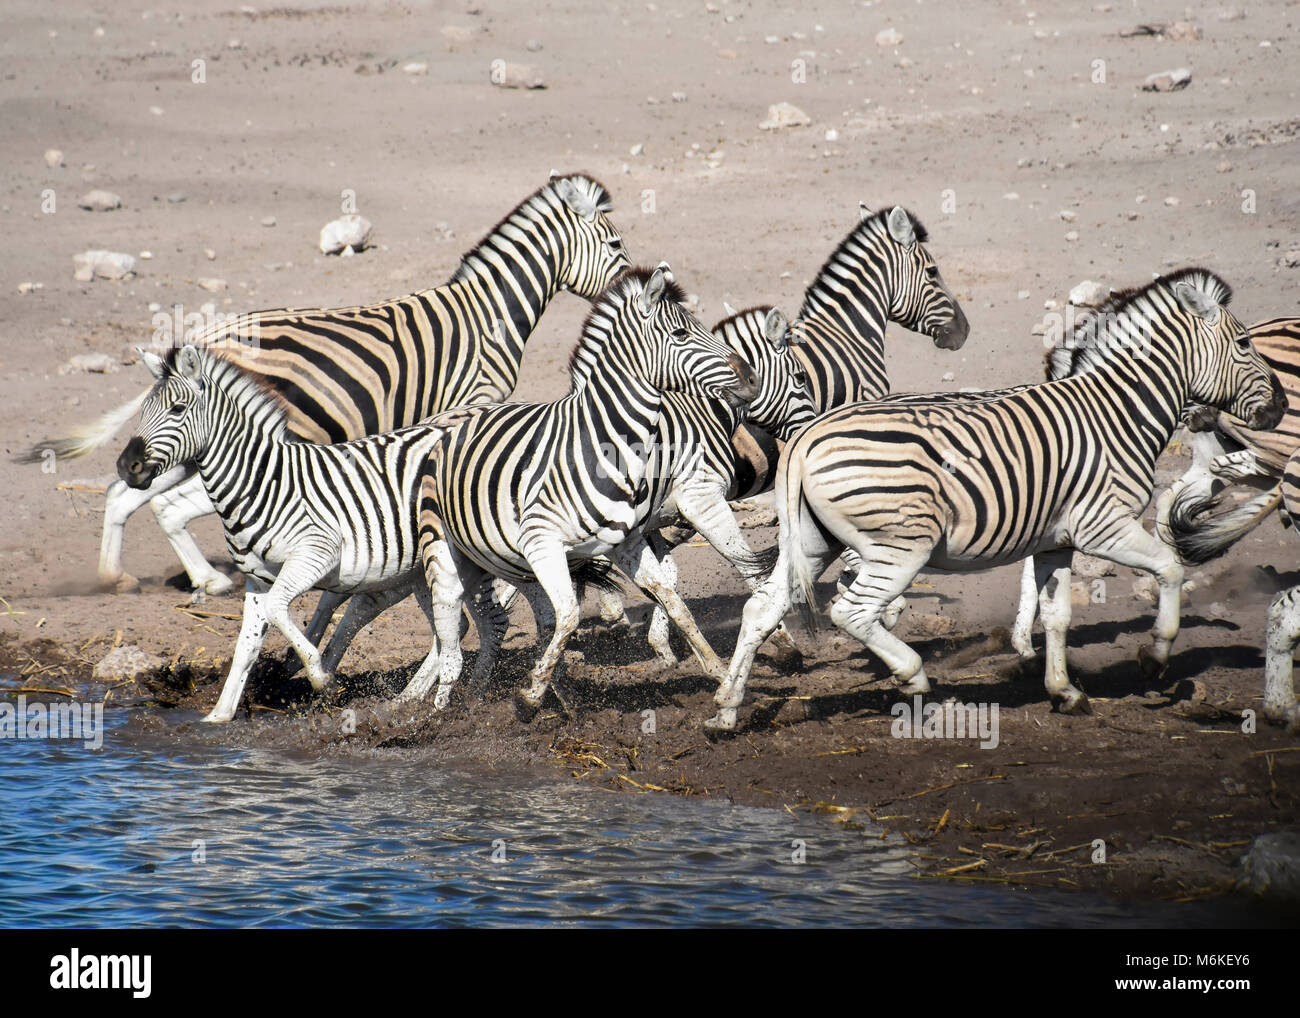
[
  {"x": 156, "y": 365},
  {"x": 774, "y": 328},
  {"x": 900, "y": 226},
  {"x": 189, "y": 364},
  {"x": 654, "y": 289},
  {"x": 582, "y": 206},
  {"x": 864, "y": 211},
  {"x": 728, "y": 310},
  {"x": 1197, "y": 301}
]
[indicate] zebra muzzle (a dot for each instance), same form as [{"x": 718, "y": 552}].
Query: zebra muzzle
[
  {"x": 745, "y": 391},
  {"x": 133, "y": 465}
]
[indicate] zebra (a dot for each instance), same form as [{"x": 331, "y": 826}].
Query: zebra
[
  {"x": 964, "y": 485},
  {"x": 354, "y": 371},
  {"x": 1280, "y": 703},
  {"x": 881, "y": 271},
  {"x": 525, "y": 491},
  {"x": 295, "y": 515},
  {"x": 1190, "y": 515}
]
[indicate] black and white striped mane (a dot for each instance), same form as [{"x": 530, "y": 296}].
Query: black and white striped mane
[
  {"x": 605, "y": 312},
  {"x": 875, "y": 224},
  {"x": 1081, "y": 349},
  {"x": 252, "y": 392},
  {"x": 537, "y": 206}
]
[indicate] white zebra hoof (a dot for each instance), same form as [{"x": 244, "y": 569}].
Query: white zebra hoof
[
  {"x": 1072, "y": 701},
  {"x": 723, "y": 721},
  {"x": 123, "y": 583},
  {"x": 216, "y": 585},
  {"x": 918, "y": 683},
  {"x": 216, "y": 718}
]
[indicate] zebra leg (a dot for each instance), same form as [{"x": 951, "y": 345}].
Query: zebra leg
[
  {"x": 1132, "y": 546},
  {"x": 883, "y": 575},
  {"x": 363, "y": 609},
  {"x": 120, "y": 505},
  {"x": 325, "y": 609},
  {"x": 303, "y": 570},
  {"x": 638, "y": 561},
  {"x": 614, "y": 613},
  {"x": 889, "y": 618},
  {"x": 551, "y": 567},
  {"x": 1051, "y": 571},
  {"x": 1280, "y": 704},
  {"x": 175, "y": 509},
  {"x": 705, "y": 508},
  {"x": 491, "y": 621},
  {"x": 1022, "y": 638},
  {"x": 658, "y": 632},
  {"x": 252, "y": 634}
]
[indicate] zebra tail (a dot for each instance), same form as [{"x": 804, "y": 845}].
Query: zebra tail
[
  {"x": 1204, "y": 527},
  {"x": 87, "y": 438},
  {"x": 595, "y": 573},
  {"x": 790, "y": 513}
]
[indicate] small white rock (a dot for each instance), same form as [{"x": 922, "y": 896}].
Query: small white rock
[
  {"x": 99, "y": 201},
  {"x": 636, "y": 149},
  {"x": 1069, "y": 216},
  {"x": 104, "y": 264},
  {"x": 350, "y": 231},
  {"x": 91, "y": 363},
  {"x": 209, "y": 254},
  {"x": 211, "y": 284},
  {"x": 30, "y": 287},
  {"x": 889, "y": 37},
  {"x": 1168, "y": 81},
  {"x": 415, "y": 68},
  {"x": 268, "y": 220},
  {"x": 781, "y": 115},
  {"x": 53, "y": 158},
  {"x": 1088, "y": 294},
  {"x": 832, "y": 134},
  {"x": 1072, "y": 235}
]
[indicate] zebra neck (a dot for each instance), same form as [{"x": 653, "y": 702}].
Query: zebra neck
[
  {"x": 245, "y": 449},
  {"x": 507, "y": 281},
  {"x": 844, "y": 355},
  {"x": 1143, "y": 397}
]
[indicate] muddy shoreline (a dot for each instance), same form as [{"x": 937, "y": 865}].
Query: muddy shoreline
[{"x": 1167, "y": 780}]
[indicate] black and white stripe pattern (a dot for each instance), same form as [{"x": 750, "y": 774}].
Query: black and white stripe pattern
[
  {"x": 296, "y": 515},
  {"x": 354, "y": 371},
  {"x": 974, "y": 483},
  {"x": 528, "y": 490}
]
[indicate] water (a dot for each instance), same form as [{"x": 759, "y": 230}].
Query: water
[{"x": 108, "y": 838}]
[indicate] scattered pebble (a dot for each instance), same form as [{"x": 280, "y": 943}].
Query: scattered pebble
[
  {"x": 99, "y": 201},
  {"x": 783, "y": 115},
  {"x": 1171, "y": 201},
  {"x": 415, "y": 68},
  {"x": 889, "y": 37},
  {"x": 53, "y": 158},
  {"x": 345, "y": 235},
  {"x": 1011, "y": 196},
  {"x": 1069, "y": 216},
  {"x": 30, "y": 287},
  {"x": 211, "y": 284},
  {"x": 1223, "y": 167},
  {"x": 176, "y": 197},
  {"x": 209, "y": 254},
  {"x": 636, "y": 149},
  {"x": 1022, "y": 295},
  {"x": 505, "y": 75},
  {"x": 268, "y": 220},
  {"x": 91, "y": 363},
  {"x": 1168, "y": 81},
  {"x": 948, "y": 376},
  {"x": 533, "y": 46},
  {"x": 1072, "y": 235},
  {"x": 832, "y": 134},
  {"x": 104, "y": 264},
  {"x": 126, "y": 663},
  {"x": 1088, "y": 294},
  {"x": 679, "y": 97}
]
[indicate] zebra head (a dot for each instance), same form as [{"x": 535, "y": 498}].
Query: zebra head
[
  {"x": 1223, "y": 367},
  {"x": 639, "y": 329},
  {"x": 761, "y": 336},
  {"x": 593, "y": 250},
  {"x": 174, "y": 422},
  {"x": 918, "y": 298}
]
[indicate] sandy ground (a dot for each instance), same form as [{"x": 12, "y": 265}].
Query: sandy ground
[{"x": 988, "y": 121}]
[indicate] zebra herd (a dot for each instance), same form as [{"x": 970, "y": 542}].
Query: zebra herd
[{"x": 372, "y": 452}]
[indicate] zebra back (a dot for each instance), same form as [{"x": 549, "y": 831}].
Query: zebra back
[{"x": 353, "y": 371}]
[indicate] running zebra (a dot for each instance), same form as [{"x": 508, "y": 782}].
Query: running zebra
[
  {"x": 691, "y": 473},
  {"x": 969, "y": 484},
  {"x": 296, "y": 515},
  {"x": 349, "y": 372},
  {"x": 1194, "y": 516},
  {"x": 880, "y": 272},
  {"x": 525, "y": 491}
]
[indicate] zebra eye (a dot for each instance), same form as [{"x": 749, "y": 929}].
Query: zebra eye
[
  {"x": 681, "y": 335},
  {"x": 177, "y": 410},
  {"x": 615, "y": 244},
  {"x": 1243, "y": 343},
  {"x": 932, "y": 271}
]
